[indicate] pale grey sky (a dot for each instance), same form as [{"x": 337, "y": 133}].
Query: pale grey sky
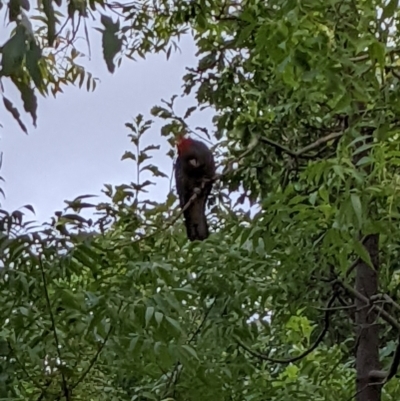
[{"x": 80, "y": 136}]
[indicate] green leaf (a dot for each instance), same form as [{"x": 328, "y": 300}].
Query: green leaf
[
  {"x": 15, "y": 113},
  {"x": 148, "y": 395},
  {"x": 390, "y": 8},
  {"x": 185, "y": 290},
  {"x": 189, "y": 111},
  {"x": 149, "y": 314},
  {"x": 51, "y": 21},
  {"x": 377, "y": 52},
  {"x": 112, "y": 44},
  {"x": 29, "y": 207},
  {"x": 159, "y": 317},
  {"x": 357, "y": 207},
  {"x": 13, "y": 52},
  {"x": 154, "y": 170},
  {"x": 133, "y": 342},
  {"x": 161, "y": 112},
  {"x": 362, "y": 253},
  {"x": 77, "y": 6},
  {"x": 174, "y": 323},
  {"x": 28, "y": 98},
  {"x": 343, "y": 103},
  {"x": 33, "y": 57},
  {"x": 128, "y": 155},
  {"x": 190, "y": 351},
  {"x": 71, "y": 300}
]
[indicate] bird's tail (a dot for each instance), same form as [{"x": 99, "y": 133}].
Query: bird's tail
[{"x": 196, "y": 221}]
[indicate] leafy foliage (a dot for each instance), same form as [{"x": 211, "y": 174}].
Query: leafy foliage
[{"x": 121, "y": 306}]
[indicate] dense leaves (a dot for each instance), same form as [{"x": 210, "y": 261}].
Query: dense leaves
[{"x": 120, "y": 306}]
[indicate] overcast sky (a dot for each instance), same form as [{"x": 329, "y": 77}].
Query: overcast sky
[{"x": 80, "y": 136}]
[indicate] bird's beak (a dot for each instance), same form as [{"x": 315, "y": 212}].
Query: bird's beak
[{"x": 194, "y": 162}]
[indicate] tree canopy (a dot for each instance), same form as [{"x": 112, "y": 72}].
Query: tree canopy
[{"x": 122, "y": 307}]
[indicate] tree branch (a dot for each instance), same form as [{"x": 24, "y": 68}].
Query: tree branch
[
  {"x": 200, "y": 326},
  {"x": 303, "y": 354},
  {"x": 96, "y": 355},
  {"x": 278, "y": 146},
  {"x": 364, "y": 57},
  {"x": 174, "y": 376},
  {"x": 301, "y": 153},
  {"x": 385, "y": 315},
  {"x": 386, "y": 298},
  {"x": 54, "y": 329},
  {"x": 381, "y": 375},
  {"x": 318, "y": 142}
]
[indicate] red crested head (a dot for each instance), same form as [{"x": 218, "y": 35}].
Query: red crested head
[{"x": 183, "y": 144}]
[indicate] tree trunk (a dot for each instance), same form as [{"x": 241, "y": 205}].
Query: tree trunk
[{"x": 367, "y": 328}]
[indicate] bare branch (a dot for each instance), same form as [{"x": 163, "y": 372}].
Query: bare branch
[
  {"x": 364, "y": 57},
  {"x": 319, "y": 142},
  {"x": 385, "y": 315},
  {"x": 278, "y": 146},
  {"x": 302, "y": 153},
  {"x": 385, "y": 298}
]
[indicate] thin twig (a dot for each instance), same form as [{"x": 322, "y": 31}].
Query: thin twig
[
  {"x": 202, "y": 322},
  {"x": 62, "y": 27},
  {"x": 23, "y": 367},
  {"x": 54, "y": 329},
  {"x": 335, "y": 308},
  {"x": 44, "y": 390},
  {"x": 358, "y": 392},
  {"x": 385, "y": 315},
  {"x": 385, "y": 298},
  {"x": 303, "y": 354},
  {"x": 319, "y": 142},
  {"x": 175, "y": 373},
  {"x": 96, "y": 355},
  {"x": 278, "y": 146},
  {"x": 364, "y": 57},
  {"x": 302, "y": 153}
]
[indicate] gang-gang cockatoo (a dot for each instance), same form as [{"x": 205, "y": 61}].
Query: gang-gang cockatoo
[{"x": 194, "y": 171}]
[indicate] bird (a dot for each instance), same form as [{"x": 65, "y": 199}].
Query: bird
[{"x": 194, "y": 173}]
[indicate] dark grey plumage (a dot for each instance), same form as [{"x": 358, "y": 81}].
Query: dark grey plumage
[{"x": 194, "y": 165}]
